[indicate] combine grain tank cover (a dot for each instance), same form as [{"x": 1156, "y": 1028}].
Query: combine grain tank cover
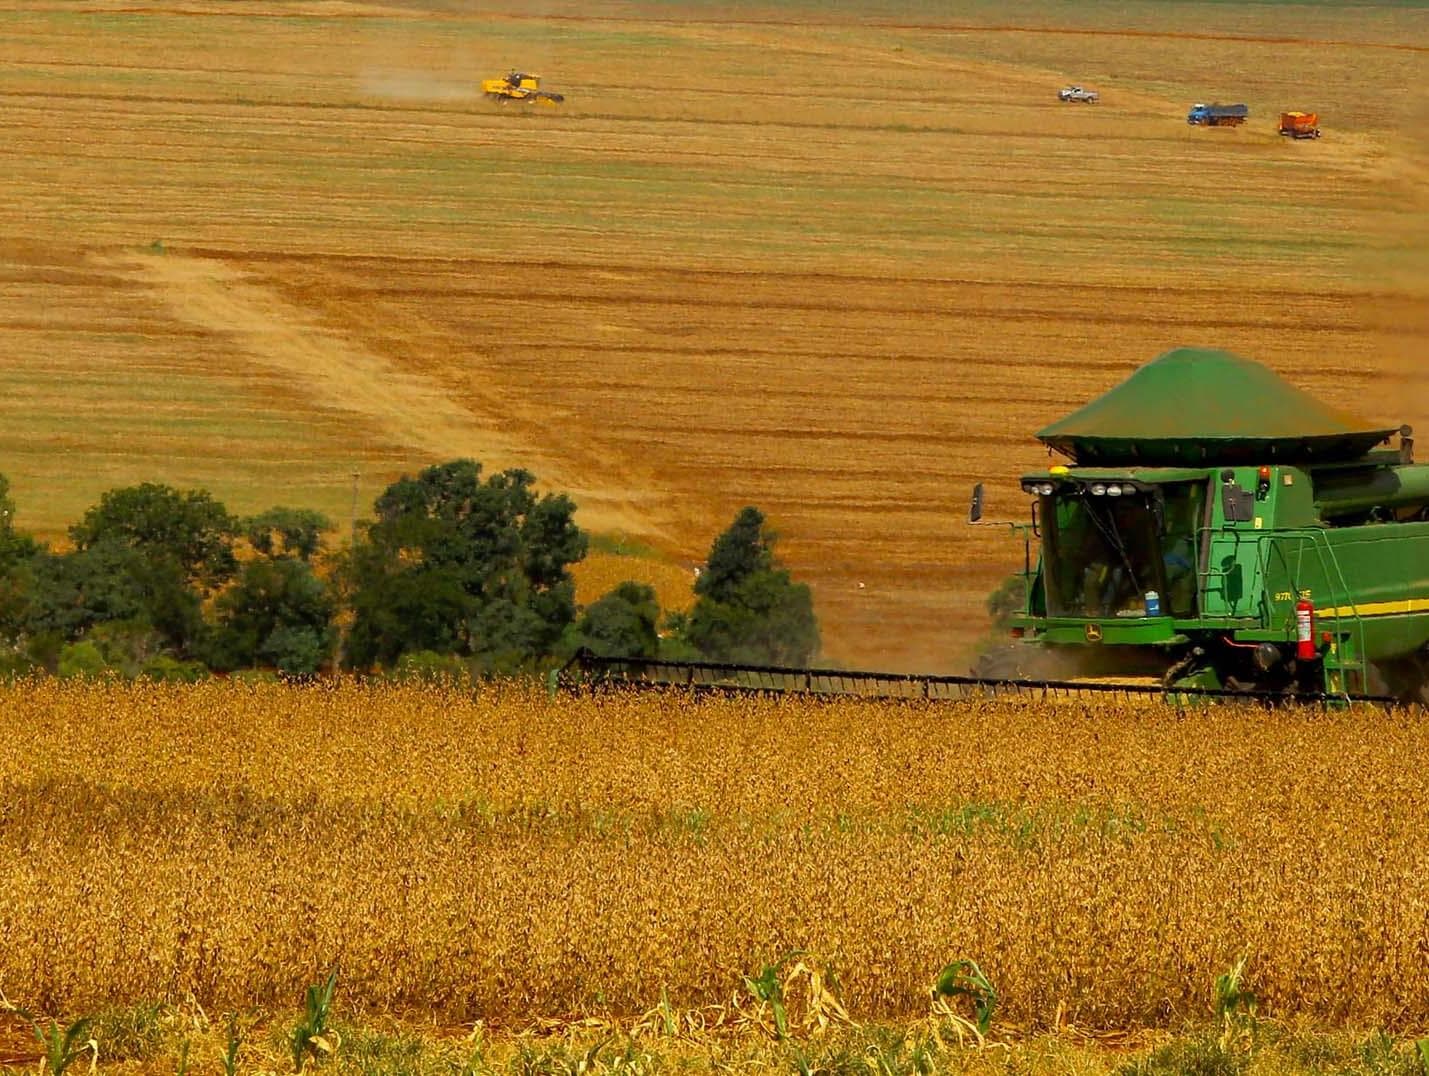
[{"x": 1195, "y": 407}]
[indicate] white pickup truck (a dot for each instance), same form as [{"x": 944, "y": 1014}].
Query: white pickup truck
[{"x": 1076, "y": 93}]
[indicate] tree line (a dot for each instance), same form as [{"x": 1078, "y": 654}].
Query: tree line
[{"x": 455, "y": 572}]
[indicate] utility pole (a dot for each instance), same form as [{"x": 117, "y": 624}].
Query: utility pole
[{"x": 353, "y": 526}]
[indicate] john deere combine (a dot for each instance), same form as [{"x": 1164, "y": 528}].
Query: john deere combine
[
  {"x": 1215, "y": 531},
  {"x": 1222, "y": 529}
]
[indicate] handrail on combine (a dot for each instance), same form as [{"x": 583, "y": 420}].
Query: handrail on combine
[{"x": 1341, "y": 597}]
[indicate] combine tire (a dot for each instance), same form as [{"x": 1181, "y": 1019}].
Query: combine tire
[{"x": 1406, "y": 679}]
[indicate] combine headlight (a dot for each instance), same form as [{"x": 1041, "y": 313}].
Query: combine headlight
[
  {"x": 1046, "y": 489},
  {"x": 1098, "y": 489},
  {"x": 1113, "y": 491}
]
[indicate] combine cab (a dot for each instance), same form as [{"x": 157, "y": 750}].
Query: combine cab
[
  {"x": 519, "y": 86},
  {"x": 1223, "y": 529}
]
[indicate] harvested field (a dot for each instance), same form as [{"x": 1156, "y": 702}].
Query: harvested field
[{"x": 838, "y": 263}]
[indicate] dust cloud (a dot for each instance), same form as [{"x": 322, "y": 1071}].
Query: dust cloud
[{"x": 419, "y": 86}]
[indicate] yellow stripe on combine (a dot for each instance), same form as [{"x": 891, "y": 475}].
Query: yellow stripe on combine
[{"x": 1399, "y": 608}]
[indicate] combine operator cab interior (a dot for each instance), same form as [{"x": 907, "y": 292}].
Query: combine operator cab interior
[{"x": 1107, "y": 545}]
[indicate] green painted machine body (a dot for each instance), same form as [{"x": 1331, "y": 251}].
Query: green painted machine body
[
  {"x": 1231, "y": 560},
  {"x": 1227, "y": 554}
]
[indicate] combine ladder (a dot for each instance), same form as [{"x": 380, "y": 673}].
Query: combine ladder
[
  {"x": 1338, "y": 661},
  {"x": 1344, "y": 661}
]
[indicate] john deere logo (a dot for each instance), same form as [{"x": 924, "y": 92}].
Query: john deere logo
[{"x": 1094, "y": 633}]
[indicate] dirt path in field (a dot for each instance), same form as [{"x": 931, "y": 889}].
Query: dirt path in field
[{"x": 393, "y": 403}]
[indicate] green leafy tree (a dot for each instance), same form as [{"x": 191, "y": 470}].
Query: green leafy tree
[
  {"x": 81, "y": 661},
  {"x": 15, "y": 548},
  {"x": 457, "y": 565},
  {"x": 433, "y": 668},
  {"x": 72, "y": 592},
  {"x": 1006, "y": 602},
  {"x": 674, "y": 641},
  {"x": 287, "y": 532},
  {"x": 621, "y": 623},
  {"x": 147, "y": 554},
  {"x": 127, "y": 645},
  {"x": 740, "y": 552},
  {"x": 190, "y": 530},
  {"x": 170, "y": 670},
  {"x": 279, "y": 614},
  {"x": 748, "y": 608},
  {"x": 397, "y": 609},
  {"x": 17, "y": 554}
]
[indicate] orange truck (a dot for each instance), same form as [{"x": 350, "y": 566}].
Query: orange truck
[{"x": 1300, "y": 124}]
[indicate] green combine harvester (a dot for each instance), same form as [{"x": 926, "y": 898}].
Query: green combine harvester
[
  {"x": 1215, "y": 532},
  {"x": 1218, "y": 528}
]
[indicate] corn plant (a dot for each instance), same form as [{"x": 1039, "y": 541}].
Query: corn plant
[
  {"x": 1230, "y": 998},
  {"x": 63, "y": 1046},
  {"x": 768, "y": 990},
  {"x": 669, "y": 1022},
  {"x": 1234, "y": 1005},
  {"x": 233, "y": 1042},
  {"x": 311, "y": 1039},
  {"x": 963, "y": 978}
]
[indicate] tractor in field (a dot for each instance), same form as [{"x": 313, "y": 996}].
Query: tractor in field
[{"x": 519, "y": 86}]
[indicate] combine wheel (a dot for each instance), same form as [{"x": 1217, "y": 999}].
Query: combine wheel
[
  {"x": 999, "y": 663},
  {"x": 1420, "y": 664},
  {"x": 1406, "y": 679}
]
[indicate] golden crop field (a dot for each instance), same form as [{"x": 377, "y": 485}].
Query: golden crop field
[
  {"x": 496, "y": 855},
  {"x": 838, "y": 261}
]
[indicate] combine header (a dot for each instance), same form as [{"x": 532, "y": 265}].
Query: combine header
[{"x": 1216, "y": 532}]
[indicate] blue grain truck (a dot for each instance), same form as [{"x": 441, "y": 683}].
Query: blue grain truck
[{"x": 1217, "y": 115}]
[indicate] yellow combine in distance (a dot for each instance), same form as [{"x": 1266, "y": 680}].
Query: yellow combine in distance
[{"x": 519, "y": 86}]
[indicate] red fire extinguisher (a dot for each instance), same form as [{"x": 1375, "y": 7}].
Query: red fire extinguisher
[{"x": 1305, "y": 630}]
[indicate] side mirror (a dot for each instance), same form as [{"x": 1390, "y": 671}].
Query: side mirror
[{"x": 975, "y": 508}]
